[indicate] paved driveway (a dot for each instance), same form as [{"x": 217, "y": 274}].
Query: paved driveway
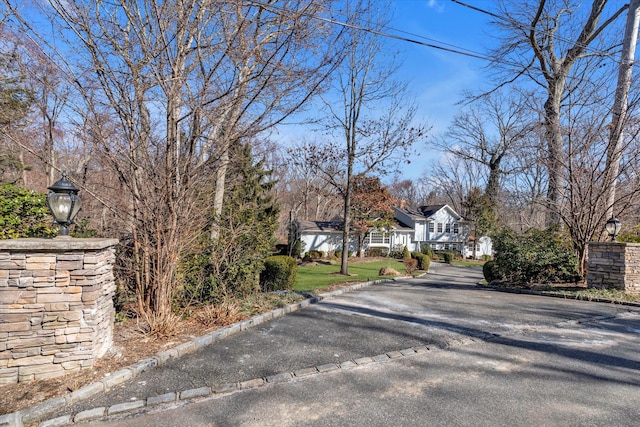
[{"x": 486, "y": 358}]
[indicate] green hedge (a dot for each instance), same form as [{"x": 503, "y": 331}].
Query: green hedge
[
  {"x": 279, "y": 273},
  {"x": 424, "y": 261},
  {"x": 536, "y": 256},
  {"x": 24, "y": 213},
  {"x": 376, "y": 252}
]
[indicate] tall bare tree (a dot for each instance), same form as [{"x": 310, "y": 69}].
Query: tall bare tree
[
  {"x": 556, "y": 44},
  {"x": 184, "y": 81},
  {"x": 620, "y": 104},
  {"x": 490, "y": 132},
  {"x": 371, "y": 119}
]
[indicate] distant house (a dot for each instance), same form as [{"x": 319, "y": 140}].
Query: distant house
[{"x": 438, "y": 226}]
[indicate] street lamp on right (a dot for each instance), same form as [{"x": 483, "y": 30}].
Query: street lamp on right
[{"x": 613, "y": 227}]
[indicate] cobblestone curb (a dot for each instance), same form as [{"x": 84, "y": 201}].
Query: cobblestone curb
[
  {"x": 39, "y": 412},
  {"x": 225, "y": 389}
]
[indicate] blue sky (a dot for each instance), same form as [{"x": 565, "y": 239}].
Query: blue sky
[{"x": 436, "y": 78}]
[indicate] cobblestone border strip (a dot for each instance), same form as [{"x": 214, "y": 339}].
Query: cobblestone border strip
[
  {"x": 95, "y": 414},
  {"x": 32, "y": 415}
]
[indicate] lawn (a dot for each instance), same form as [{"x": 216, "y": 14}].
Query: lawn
[{"x": 321, "y": 276}]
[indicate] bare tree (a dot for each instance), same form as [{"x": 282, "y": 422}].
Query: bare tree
[
  {"x": 621, "y": 100},
  {"x": 311, "y": 197},
  {"x": 365, "y": 141},
  {"x": 556, "y": 44},
  {"x": 453, "y": 178},
  {"x": 489, "y": 132},
  {"x": 184, "y": 81}
]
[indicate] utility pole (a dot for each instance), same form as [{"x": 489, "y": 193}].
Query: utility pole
[{"x": 620, "y": 106}]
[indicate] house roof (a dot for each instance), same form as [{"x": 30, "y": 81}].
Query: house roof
[
  {"x": 335, "y": 226},
  {"x": 320, "y": 226},
  {"x": 425, "y": 212},
  {"x": 400, "y": 226}
]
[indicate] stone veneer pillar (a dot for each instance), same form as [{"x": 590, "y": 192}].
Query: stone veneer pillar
[
  {"x": 56, "y": 305},
  {"x": 613, "y": 265}
]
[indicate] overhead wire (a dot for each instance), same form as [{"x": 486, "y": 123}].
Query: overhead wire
[
  {"x": 440, "y": 46},
  {"x": 528, "y": 28}
]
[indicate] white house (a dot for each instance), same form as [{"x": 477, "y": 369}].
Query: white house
[{"x": 438, "y": 226}]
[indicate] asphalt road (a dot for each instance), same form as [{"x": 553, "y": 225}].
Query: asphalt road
[{"x": 493, "y": 358}]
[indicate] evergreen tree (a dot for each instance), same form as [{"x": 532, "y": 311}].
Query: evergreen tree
[{"x": 231, "y": 264}]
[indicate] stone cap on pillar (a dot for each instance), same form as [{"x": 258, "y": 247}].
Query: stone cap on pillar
[{"x": 57, "y": 244}]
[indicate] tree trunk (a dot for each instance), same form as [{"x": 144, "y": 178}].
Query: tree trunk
[
  {"x": 620, "y": 106},
  {"x": 555, "y": 155}
]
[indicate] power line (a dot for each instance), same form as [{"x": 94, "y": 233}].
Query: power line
[
  {"x": 441, "y": 45},
  {"x": 529, "y": 28}
]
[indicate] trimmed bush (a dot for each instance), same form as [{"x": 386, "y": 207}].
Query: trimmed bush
[
  {"x": 448, "y": 257},
  {"x": 405, "y": 253},
  {"x": 396, "y": 251},
  {"x": 426, "y": 250},
  {"x": 423, "y": 261},
  {"x": 279, "y": 273},
  {"x": 376, "y": 252}
]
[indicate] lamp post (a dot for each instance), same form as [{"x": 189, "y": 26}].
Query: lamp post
[
  {"x": 64, "y": 203},
  {"x": 613, "y": 227}
]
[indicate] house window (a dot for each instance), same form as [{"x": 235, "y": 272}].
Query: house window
[
  {"x": 456, "y": 228},
  {"x": 447, "y": 228},
  {"x": 447, "y": 246},
  {"x": 378, "y": 238},
  {"x": 431, "y": 227},
  {"x": 439, "y": 227}
]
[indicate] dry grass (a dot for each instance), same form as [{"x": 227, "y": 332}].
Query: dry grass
[{"x": 223, "y": 314}]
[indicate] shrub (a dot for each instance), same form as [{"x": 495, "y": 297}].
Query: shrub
[
  {"x": 376, "y": 252},
  {"x": 315, "y": 254},
  {"x": 489, "y": 271},
  {"x": 426, "y": 250},
  {"x": 423, "y": 261},
  {"x": 24, "y": 213},
  {"x": 410, "y": 265},
  {"x": 628, "y": 237},
  {"x": 448, "y": 257},
  {"x": 279, "y": 273},
  {"x": 537, "y": 256},
  {"x": 396, "y": 251},
  {"x": 405, "y": 253},
  {"x": 338, "y": 253},
  {"x": 486, "y": 258}
]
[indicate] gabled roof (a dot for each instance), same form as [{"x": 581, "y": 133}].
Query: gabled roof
[
  {"x": 426, "y": 212},
  {"x": 400, "y": 226}
]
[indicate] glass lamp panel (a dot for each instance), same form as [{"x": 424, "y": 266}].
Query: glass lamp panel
[
  {"x": 76, "y": 206},
  {"x": 60, "y": 204}
]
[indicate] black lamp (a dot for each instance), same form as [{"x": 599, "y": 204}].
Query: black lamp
[
  {"x": 613, "y": 227},
  {"x": 64, "y": 203}
]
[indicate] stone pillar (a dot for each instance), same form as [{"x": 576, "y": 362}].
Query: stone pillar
[
  {"x": 56, "y": 305},
  {"x": 613, "y": 265}
]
